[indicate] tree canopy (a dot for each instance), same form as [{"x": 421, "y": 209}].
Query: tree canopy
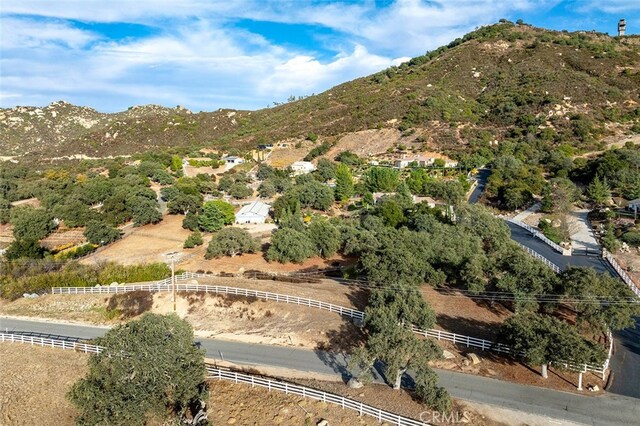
[{"x": 150, "y": 368}]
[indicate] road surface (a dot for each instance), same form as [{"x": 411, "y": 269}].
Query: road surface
[
  {"x": 625, "y": 363},
  {"x": 601, "y": 410}
]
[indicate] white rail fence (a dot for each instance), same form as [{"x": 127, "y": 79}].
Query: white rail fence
[
  {"x": 283, "y": 298},
  {"x": 50, "y": 343},
  {"x": 538, "y": 235},
  {"x": 215, "y": 289},
  {"x": 294, "y": 389},
  {"x": 625, "y": 277},
  {"x": 540, "y": 257},
  {"x": 219, "y": 374}
]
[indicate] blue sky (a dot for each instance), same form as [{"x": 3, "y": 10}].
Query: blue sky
[{"x": 242, "y": 54}]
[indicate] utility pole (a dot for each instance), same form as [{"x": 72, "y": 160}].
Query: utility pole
[{"x": 173, "y": 278}]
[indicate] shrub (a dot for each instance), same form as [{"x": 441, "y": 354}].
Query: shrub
[
  {"x": 193, "y": 240},
  {"x": 631, "y": 238},
  {"x": 317, "y": 151}
]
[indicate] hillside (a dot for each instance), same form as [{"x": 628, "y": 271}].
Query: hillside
[{"x": 500, "y": 81}]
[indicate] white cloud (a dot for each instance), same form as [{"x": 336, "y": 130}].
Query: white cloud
[
  {"x": 21, "y": 33},
  {"x": 198, "y": 59},
  {"x": 610, "y": 6}
]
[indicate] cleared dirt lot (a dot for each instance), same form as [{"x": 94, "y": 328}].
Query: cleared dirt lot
[
  {"x": 145, "y": 244},
  {"x": 32, "y": 392}
]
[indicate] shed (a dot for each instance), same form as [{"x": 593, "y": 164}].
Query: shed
[{"x": 255, "y": 212}]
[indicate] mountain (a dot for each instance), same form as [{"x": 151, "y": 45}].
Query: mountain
[{"x": 500, "y": 81}]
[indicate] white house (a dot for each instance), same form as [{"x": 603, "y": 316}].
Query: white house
[
  {"x": 233, "y": 159},
  {"x": 256, "y": 212},
  {"x": 418, "y": 161},
  {"x": 302, "y": 167}
]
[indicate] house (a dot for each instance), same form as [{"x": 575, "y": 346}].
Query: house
[
  {"x": 302, "y": 167},
  {"x": 233, "y": 160},
  {"x": 256, "y": 212},
  {"x": 416, "y": 161}
]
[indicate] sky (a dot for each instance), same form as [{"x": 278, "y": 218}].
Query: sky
[{"x": 241, "y": 54}]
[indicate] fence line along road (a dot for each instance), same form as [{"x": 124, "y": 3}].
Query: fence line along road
[
  {"x": 540, "y": 257},
  {"x": 216, "y": 289},
  {"x": 219, "y": 374},
  {"x": 625, "y": 277},
  {"x": 165, "y": 285},
  {"x": 294, "y": 389},
  {"x": 50, "y": 343},
  {"x": 538, "y": 235}
]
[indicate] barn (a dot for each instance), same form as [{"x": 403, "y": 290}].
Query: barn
[{"x": 256, "y": 212}]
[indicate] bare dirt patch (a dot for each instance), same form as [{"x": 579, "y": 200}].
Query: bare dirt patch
[
  {"x": 33, "y": 393},
  {"x": 239, "y": 404},
  {"x": 459, "y": 314},
  {"x": 256, "y": 261},
  {"x": 32, "y": 390},
  {"x": 145, "y": 244},
  {"x": 399, "y": 402},
  {"x": 282, "y": 157}
]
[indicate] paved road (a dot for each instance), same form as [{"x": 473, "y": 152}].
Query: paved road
[
  {"x": 625, "y": 363},
  {"x": 481, "y": 177},
  {"x": 602, "y": 410}
]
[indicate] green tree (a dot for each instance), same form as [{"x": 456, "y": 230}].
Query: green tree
[
  {"x": 149, "y": 368},
  {"x": 144, "y": 211},
  {"x": 31, "y": 224},
  {"x": 216, "y": 214},
  {"x": 542, "y": 339},
  {"x": 383, "y": 179},
  {"x": 5, "y": 214},
  {"x": 326, "y": 170},
  {"x": 25, "y": 248},
  {"x": 390, "y": 211},
  {"x": 190, "y": 221},
  {"x": 289, "y": 245},
  {"x": 598, "y": 192},
  {"x": 344, "y": 183},
  {"x": 325, "y": 237},
  {"x": 176, "y": 163},
  {"x": 585, "y": 290},
  {"x": 239, "y": 190},
  {"x": 315, "y": 195},
  {"x": 267, "y": 189},
  {"x": 194, "y": 239},
  {"x": 185, "y": 203},
  {"x": 100, "y": 233},
  {"x": 74, "y": 213},
  {"x": 230, "y": 242}
]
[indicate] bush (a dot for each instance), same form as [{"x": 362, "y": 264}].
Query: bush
[
  {"x": 632, "y": 238},
  {"x": 113, "y": 272},
  {"x": 190, "y": 222},
  {"x": 77, "y": 252},
  {"x": 195, "y": 239},
  {"x": 317, "y": 151}
]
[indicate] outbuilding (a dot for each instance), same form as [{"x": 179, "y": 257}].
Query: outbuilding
[
  {"x": 302, "y": 167},
  {"x": 256, "y": 212}
]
